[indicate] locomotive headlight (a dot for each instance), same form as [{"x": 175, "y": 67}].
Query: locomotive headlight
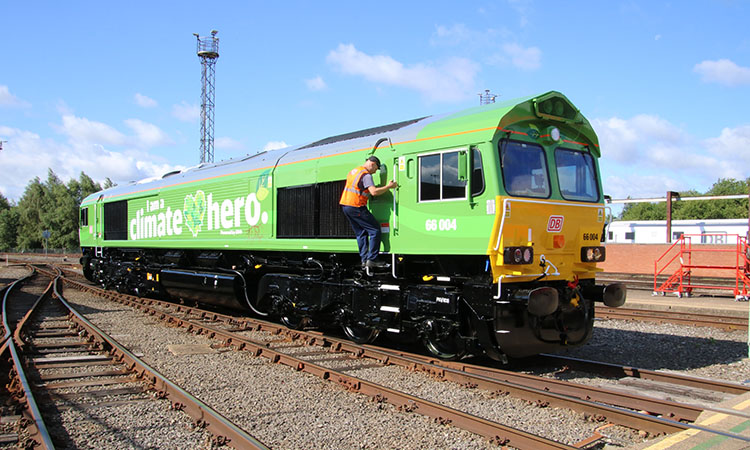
[
  {"x": 518, "y": 255},
  {"x": 593, "y": 254},
  {"x": 554, "y": 133}
]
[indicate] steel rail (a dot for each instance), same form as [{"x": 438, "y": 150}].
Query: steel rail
[
  {"x": 225, "y": 432},
  {"x": 677, "y": 317},
  {"x": 37, "y": 429},
  {"x": 6, "y": 290},
  {"x": 453, "y": 371},
  {"x": 646, "y": 374},
  {"x": 494, "y": 431},
  {"x": 468, "y": 374},
  {"x": 539, "y": 393}
]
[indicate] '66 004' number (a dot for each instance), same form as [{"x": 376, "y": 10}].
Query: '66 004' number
[{"x": 440, "y": 224}]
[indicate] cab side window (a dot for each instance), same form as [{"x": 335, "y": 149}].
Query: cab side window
[{"x": 439, "y": 178}]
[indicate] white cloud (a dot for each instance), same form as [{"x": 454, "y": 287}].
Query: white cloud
[
  {"x": 526, "y": 58},
  {"x": 723, "y": 71},
  {"x": 627, "y": 140},
  {"x": 226, "y": 143},
  {"x": 731, "y": 143},
  {"x": 27, "y": 155},
  {"x": 148, "y": 134},
  {"x": 274, "y": 145},
  {"x": 524, "y": 9},
  {"x": 145, "y": 102},
  {"x": 186, "y": 112},
  {"x": 649, "y": 155},
  {"x": 451, "y": 80},
  {"x": 469, "y": 40},
  {"x": 82, "y": 130},
  {"x": 10, "y": 100},
  {"x": 453, "y": 35},
  {"x": 316, "y": 84}
]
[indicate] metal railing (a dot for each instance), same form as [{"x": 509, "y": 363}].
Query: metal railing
[{"x": 682, "y": 252}]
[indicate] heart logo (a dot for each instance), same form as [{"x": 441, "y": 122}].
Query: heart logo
[{"x": 194, "y": 210}]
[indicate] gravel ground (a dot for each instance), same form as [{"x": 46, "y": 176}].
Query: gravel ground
[
  {"x": 700, "y": 351},
  {"x": 283, "y": 408},
  {"x": 292, "y": 410},
  {"x": 86, "y": 423},
  {"x": 9, "y": 274}
]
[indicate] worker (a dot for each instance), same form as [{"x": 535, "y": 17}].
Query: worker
[{"x": 358, "y": 190}]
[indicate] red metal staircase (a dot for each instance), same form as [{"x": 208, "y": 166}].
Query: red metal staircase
[{"x": 682, "y": 259}]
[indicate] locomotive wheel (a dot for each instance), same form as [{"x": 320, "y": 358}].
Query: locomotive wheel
[
  {"x": 361, "y": 334},
  {"x": 294, "y": 321},
  {"x": 449, "y": 348}
]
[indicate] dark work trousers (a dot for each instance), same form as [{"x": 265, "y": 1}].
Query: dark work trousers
[{"x": 365, "y": 228}]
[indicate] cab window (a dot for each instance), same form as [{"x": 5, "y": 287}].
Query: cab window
[
  {"x": 576, "y": 175},
  {"x": 477, "y": 173},
  {"x": 524, "y": 168}
]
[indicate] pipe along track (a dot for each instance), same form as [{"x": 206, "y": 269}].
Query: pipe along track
[
  {"x": 539, "y": 390},
  {"x": 52, "y": 319}
]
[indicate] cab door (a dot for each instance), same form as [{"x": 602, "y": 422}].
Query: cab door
[{"x": 98, "y": 224}]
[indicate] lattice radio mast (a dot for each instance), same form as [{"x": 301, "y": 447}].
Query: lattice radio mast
[
  {"x": 485, "y": 98},
  {"x": 208, "y": 52}
]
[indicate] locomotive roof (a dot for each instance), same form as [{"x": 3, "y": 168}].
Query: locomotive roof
[{"x": 482, "y": 121}]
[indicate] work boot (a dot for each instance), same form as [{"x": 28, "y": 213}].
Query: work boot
[{"x": 372, "y": 264}]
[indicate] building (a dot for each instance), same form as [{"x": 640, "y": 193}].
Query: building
[{"x": 718, "y": 231}]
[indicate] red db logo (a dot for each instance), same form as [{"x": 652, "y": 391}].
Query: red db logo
[{"x": 555, "y": 223}]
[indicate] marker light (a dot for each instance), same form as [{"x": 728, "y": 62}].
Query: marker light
[
  {"x": 518, "y": 255},
  {"x": 593, "y": 254}
]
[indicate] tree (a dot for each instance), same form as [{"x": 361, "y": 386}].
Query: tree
[
  {"x": 696, "y": 209},
  {"x": 52, "y": 205},
  {"x": 644, "y": 211},
  {"x": 30, "y": 208},
  {"x": 4, "y": 203},
  {"x": 8, "y": 228}
]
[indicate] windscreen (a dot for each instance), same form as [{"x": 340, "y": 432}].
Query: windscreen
[
  {"x": 576, "y": 175},
  {"x": 524, "y": 168}
]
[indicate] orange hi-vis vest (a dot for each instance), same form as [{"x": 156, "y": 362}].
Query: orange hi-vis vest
[{"x": 352, "y": 196}]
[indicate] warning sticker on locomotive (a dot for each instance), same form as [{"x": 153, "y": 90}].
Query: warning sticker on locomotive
[{"x": 555, "y": 224}]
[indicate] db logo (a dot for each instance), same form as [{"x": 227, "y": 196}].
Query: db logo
[{"x": 555, "y": 223}]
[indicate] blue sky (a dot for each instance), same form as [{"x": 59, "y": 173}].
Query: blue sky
[{"x": 113, "y": 89}]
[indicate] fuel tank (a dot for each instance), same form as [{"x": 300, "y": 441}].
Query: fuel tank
[{"x": 217, "y": 288}]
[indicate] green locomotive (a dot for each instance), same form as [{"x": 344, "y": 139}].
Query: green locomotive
[{"x": 491, "y": 238}]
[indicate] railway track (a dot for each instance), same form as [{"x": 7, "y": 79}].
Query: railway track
[
  {"x": 682, "y": 318},
  {"x": 67, "y": 371},
  {"x": 297, "y": 348},
  {"x": 229, "y": 329}
]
